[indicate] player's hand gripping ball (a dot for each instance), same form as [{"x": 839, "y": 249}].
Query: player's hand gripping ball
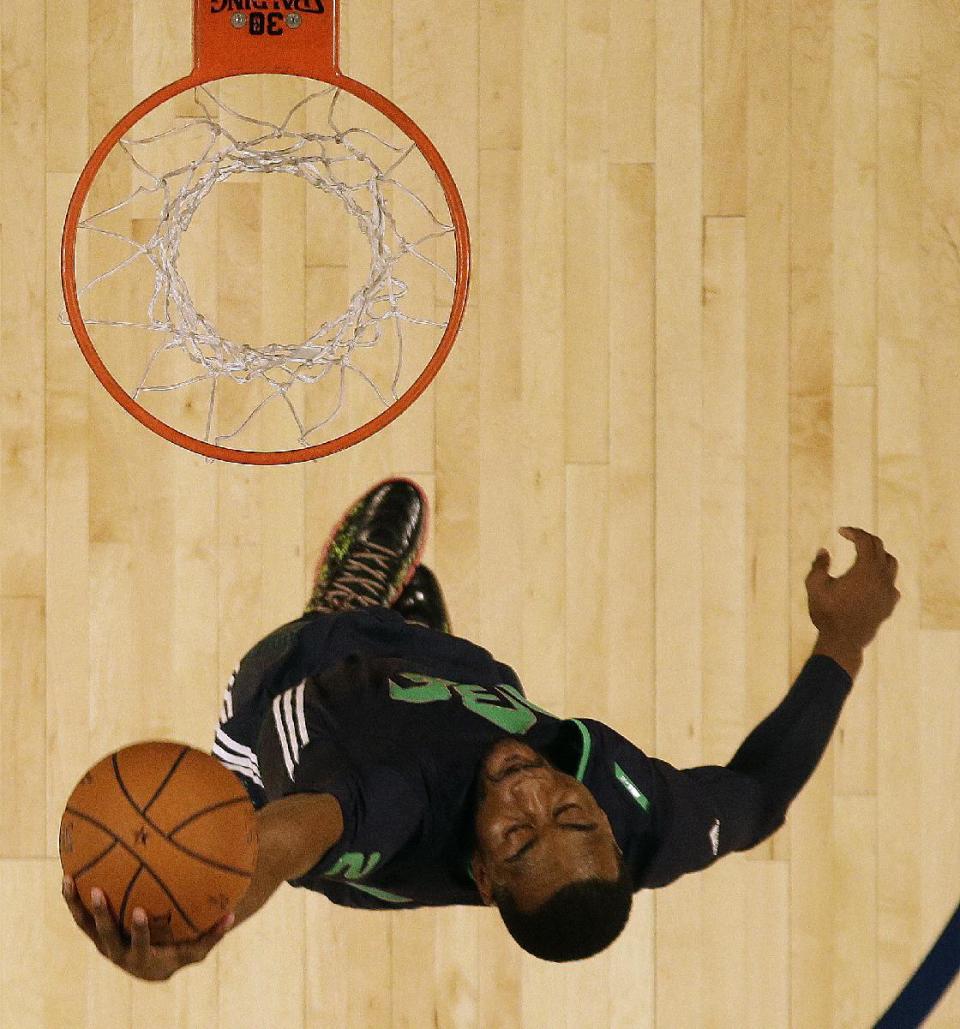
[
  {"x": 163, "y": 829},
  {"x": 141, "y": 957}
]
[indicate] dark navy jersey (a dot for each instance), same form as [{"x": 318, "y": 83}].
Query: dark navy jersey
[{"x": 393, "y": 719}]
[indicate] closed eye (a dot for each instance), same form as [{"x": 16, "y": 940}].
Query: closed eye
[
  {"x": 527, "y": 847},
  {"x": 557, "y": 812}
]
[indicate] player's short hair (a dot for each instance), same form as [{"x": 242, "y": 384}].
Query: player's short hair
[{"x": 578, "y": 921}]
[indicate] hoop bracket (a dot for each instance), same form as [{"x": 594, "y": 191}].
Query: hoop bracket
[{"x": 239, "y": 37}]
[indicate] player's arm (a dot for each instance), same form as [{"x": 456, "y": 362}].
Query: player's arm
[
  {"x": 712, "y": 810},
  {"x": 295, "y": 832}
]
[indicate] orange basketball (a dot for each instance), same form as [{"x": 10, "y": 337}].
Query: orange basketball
[{"x": 162, "y": 826}]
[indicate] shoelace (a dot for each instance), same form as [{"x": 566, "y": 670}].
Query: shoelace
[{"x": 371, "y": 560}]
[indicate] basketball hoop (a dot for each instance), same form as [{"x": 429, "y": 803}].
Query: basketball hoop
[{"x": 134, "y": 311}]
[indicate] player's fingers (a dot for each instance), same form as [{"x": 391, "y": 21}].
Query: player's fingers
[
  {"x": 217, "y": 933},
  {"x": 140, "y": 935},
  {"x": 869, "y": 545},
  {"x": 199, "y": 948},
  {"x": 106, "y": 927},
  {"x": 819, "y": 573},
  {"x": 220, "y": 930},
  {"x": 866, "y": 543},
  {"x": 81, "y": 916}
]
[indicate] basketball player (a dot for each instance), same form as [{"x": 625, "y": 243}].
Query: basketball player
[{"x": 395, "y": 765}]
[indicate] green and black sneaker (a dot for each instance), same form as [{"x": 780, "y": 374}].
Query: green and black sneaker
[
  {"x": 374, "y": 550},
  {"x": 422, "y": 601}
]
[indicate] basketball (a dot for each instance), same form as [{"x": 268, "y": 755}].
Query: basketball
[{"x": 162, "y": 826}]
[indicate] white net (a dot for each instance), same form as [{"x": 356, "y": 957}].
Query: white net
[{"x": 320, "y": 339}]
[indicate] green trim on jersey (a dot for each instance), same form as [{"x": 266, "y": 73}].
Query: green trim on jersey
[
  {"x": 354, "y": 866},
  {"x": 587, "y": 743},
  {"x": 631, "y": 787},
  {"x": 390, "y": 898}
]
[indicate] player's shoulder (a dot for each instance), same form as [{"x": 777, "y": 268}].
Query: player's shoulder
[
  {"x": 602, "y": 739},
  {"x": 609, "y": 759}
]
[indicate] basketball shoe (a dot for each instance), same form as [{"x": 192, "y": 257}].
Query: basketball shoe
[
  {"x": 422, "y": 601},
  {"x": 374, "y": 550}
]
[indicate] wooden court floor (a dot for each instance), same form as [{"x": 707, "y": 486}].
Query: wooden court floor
[{"x": 715, "y": 315}]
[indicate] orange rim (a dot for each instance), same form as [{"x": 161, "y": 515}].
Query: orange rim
[{"x": 206, "y": 71}]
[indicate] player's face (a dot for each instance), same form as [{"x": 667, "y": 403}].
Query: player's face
[{"x": 537, "y": 828}]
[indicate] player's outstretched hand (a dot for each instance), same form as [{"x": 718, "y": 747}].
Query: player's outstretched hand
[
  {"x": 153, "y": 962},
  {"x": 850, "y": 608}
]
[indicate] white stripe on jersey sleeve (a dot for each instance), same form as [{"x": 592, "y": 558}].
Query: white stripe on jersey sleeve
[
  {"x": 282, "y": 736},
  {"x": 291, "y": 733},
  {"x": 237, "y": 757},
  {"x": 301, "y": 718},
  {"x": 226, "y": 708},
  {"x": 290, "y": 727}
]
